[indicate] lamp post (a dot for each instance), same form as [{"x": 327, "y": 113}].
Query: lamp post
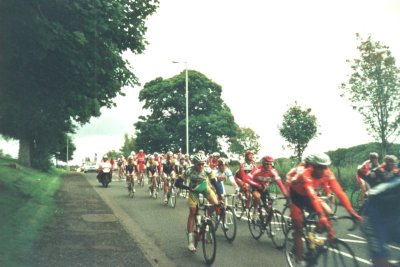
[{"x": 187, "y": 104}]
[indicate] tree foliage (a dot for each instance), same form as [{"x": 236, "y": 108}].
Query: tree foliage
[
  {"x": 246, "y": 139},
  {"x": 128, "y": 146},
  {"x": 61, "y": 62},
  {"x": 165, "y": 127},
  {"x": 299, "y": 126},
  {"x": 374, "y": 90}
]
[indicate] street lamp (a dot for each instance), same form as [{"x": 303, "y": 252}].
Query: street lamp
[{"x": 187, "y": 104}]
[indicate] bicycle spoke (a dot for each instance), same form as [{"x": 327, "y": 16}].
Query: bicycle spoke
[
  {"x": 229, "y": 224},
  {"x": 277, "y": 229},
  {"x": 338, "y": 254}
]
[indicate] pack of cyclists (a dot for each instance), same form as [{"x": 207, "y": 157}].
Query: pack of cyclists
[{"x": 202, "y": 174}]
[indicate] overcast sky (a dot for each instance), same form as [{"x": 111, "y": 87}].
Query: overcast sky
[{"x": 266, "y": 55}]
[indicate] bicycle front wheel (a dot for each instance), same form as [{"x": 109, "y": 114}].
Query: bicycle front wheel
[
  {"x": 255, "y": 224},
  {"x": 356, "y": 199},
  {"x": 172, "y": 198},
  {"x": 229, "y": 224},
  {"x": 209, "y": 242},
  {"x": 338, "y": 254},
  {"x": 277, "y": 229},
  {"x": 290, "y": 250}
]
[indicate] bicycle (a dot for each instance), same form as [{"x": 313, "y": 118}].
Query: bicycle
[
  {"x": 131, "y": 185},
  {"x": 331, "y": 250},
  {"x": 267, "y": 220},
  {"x": 205, "y": 233},
  {"x": 224, "y": 215},
  {"x": 153, "y": 188},
  {"x": 171, "y": 194},
  {"x": 239, "y": 205},
  {"x": 357, "y": 199}
]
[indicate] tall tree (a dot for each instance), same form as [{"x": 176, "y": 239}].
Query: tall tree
[
  {"x": 374, "y": 90},
  {"x": 164, "y": 128},
  {"x": 61, "y": 61},
  {"x": 128, "y": 146},
  {"x": 246, "y": 139},
  {"x": 299, "y": 126}
]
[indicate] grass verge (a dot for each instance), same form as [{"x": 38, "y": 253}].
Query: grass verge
[{"x": 26, "y": 205}]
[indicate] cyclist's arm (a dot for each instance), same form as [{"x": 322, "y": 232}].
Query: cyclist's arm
[
  {"x": 248, "y": 178},
  {"x": 278, "y": 181}
]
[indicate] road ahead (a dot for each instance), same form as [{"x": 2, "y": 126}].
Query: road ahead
[{"x": 162, "y": 230}]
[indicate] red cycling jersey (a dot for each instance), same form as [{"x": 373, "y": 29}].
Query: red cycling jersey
[
  {"x": 303, "y": 185},
  {"x": 260, "y": 178}
]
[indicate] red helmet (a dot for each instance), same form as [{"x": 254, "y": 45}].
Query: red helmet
[{"x": 267, "y": 159}]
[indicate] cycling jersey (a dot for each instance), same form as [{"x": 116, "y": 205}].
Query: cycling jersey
[
  {"x": 303, "y": 190},
  {"x": 168, "y": 167},
  {"x": 221, "y": 176},
  {"x": 260, "y": 177},
  {"x": 196, "y": 178},
  {"x": 152, "y": 168}
]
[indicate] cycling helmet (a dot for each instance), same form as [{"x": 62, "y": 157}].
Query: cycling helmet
[
  {"x": 169, "y": 153},
  {"x": 141, "y": 151},
  {"x": 222, "y": 161},
  {"x": 151, "y": 157},
  {"x": 268, "y": 159},
  {"x": 198, "y": 158},
  {"x": 105, "y": 157},
  {"x": 321, "y": 159},
  {"x": 132, "y": 153},
  {"x": 182, "y": 158},
  {"x": 216, "y": 154},
  {"x": 155, "y": 154}
]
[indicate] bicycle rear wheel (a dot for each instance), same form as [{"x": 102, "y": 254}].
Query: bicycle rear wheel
[
  {"x": 229, "y": 224},
  {"x": 338, "y": 254},
  {"x": 277, "y": 229},
  {"x": 255, "y": 224},
  {"x": 209, "y": 242}
]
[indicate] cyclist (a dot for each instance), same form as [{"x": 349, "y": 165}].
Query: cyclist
[
  {"x": 222, "y": 173},
  {"x": 259, "y": 179},
  {"x": 168, "y": 171},
  {"x": 387, "y": 170},
  {"x": 381, "y": 215},
  {"x": 213, "y": 160},
  {"x": 199, "y": 178},
  {"x": 366, "y": 169},
  {"x": 152, "y": 172},
  {"x": 248, "y": 165},
  {"x": 141, "y": 166},
  {"x": 181, "y": 169},
  {"x": 121, "y": 166},
  {"x": 129, "y": 171},
  {"x": 302, "y": 193}
]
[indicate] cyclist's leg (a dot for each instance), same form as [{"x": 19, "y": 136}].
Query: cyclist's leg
[
  {"x": 297, "y": 223},
  {"x": 192, "y": 203}
]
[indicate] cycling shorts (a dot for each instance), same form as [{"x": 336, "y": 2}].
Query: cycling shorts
[{"x": 193, "y": 199}]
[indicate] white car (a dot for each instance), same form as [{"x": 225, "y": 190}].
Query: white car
[{"x": 89, "y": 167}]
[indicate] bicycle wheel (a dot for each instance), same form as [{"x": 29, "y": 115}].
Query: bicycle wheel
[
  {"x": 142, "y": 180},
  {"x": 229, "y": 224},
  {"x": 239, "y": 206},
  {"x": 277, "y": 230},
  {"x": 356, "y": 199},
  {"x": 172, "y": 198},
  {"x": 209, "y": 242},
  {"x": 255, "y": 224},
  {"x": 338, "y": 254},
  {"x": 290, "y": 249},
  {"x": 287, "y": 218},
  {"x": 130, "y": 190}
]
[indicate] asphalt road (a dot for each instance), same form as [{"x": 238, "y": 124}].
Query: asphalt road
[{"x": 161, "y": 232}]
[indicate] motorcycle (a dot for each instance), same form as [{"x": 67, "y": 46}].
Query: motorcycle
[{"x": 104, "y": 175}]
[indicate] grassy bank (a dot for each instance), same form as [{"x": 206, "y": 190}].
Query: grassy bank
[{"x": 26, "y": 205}]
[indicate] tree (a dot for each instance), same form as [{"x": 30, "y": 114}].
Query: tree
[
  {"x": 164, "y": 129},
  {"x": 246, "y": 139},
  {"x": 299, "y": 126},
  {"x": 61, "y": 61},
  {"x": 128, "y": 146},
  {"x": 374, "y": 90}
]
